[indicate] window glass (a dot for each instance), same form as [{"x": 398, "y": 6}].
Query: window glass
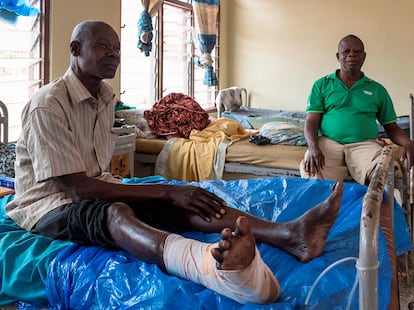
[
  {"x": 20, "y": 61},
  {"x": 170, "y": 66},
  {"x": 177, "y": 50},
  {"x": 136, "y": 70}
]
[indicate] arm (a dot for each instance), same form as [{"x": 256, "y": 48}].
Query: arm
[
  {"x": 190, "y": 198},
  {"x": 398, "y": 136},
  {"x": 315, "y": 160}
]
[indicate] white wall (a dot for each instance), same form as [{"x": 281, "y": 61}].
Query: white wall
[
  {"x": 65, "y": 15},
  {"x": 277, "y": 48}
]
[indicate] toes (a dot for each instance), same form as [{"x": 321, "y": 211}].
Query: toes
[
  {"x": 224, "y": 245},
  {"x": 226, "y": 234},
  {"x": 218, "y": 256},
  {"x": 242, "y": 226}
]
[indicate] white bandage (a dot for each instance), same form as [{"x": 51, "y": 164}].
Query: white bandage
[{"x": 192, "y": 260}]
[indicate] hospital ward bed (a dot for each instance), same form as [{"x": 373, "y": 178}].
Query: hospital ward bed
[
  {"x": 244, "y": 159},
  {"x": 359, "y": 257}
]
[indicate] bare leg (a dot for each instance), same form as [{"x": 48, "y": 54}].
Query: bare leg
[
  {"x": 308, "y": 233},
  {"x": 235, "y": 250},
  {"x": 234, "y": 268},
  {"x": 134, "y": 236},
  {"x": 304, "y": 237}
]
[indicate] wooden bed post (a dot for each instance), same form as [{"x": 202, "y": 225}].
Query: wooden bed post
[{"x": 367, "y": 264}]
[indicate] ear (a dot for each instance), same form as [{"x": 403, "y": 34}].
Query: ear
[
  {"x": 75, "y": 48},
  {"x": 365, "y": 55},
  {"x": 337, "y": 56}
]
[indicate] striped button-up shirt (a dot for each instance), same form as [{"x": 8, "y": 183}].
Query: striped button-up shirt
[{"x": 64, "y": 130}]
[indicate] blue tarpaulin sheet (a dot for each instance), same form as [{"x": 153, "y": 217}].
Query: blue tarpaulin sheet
[{"x": 94, "y": 278}]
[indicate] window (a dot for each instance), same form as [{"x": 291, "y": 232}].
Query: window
[
  {"x": 21, "y": 65},
  {"x": 170, "y": 66}
]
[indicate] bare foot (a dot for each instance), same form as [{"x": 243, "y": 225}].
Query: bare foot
[
  {"x": 236, "y": 249},
  {"x": 308, "y": 232}
]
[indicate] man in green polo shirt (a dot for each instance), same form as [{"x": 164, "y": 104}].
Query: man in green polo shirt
[{"x": 341, "y": 129}]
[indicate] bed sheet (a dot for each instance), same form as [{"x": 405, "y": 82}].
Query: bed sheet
[
  {"x": 270, "y": 156},
  {"x": 250, "y": 118},
  {"x": 94, "y": 278},
  {"x": 281, "y": 156}
]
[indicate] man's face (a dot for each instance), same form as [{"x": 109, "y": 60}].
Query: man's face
[
  {"x": 351, "y": 55},
  {"x": 100, "y": 55}
]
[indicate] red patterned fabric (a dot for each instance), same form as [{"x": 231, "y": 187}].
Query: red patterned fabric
[{"x": 175, "y": 115}]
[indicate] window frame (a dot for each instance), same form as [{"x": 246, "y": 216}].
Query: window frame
[
  {"x": 160, "y": 42},
  {"x": 44, "y": 42},
  {"x": 158, "y": 71},
  {"x": 40, "y": 73}
]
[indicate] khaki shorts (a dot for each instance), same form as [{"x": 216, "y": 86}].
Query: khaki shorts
[{"x": 355, "y": 160}]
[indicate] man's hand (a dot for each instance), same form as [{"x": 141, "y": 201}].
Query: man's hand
[
  {"x": 398, "y": 136},
  {"x": 314, "y": 161},
  {"x": 197, "y": 200},
  {"x": 191, "y": 199}
]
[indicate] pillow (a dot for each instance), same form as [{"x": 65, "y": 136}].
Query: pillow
[
  {"x": 240, "y": 119},
  {"x": 258, "y": 122},
  {"x": 131, "y": 116},
  {"x": 136, "y": 117},
  {"x": 283, "y": 133}
]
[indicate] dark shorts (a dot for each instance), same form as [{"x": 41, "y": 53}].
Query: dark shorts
[{"x": 83, "y": 222}]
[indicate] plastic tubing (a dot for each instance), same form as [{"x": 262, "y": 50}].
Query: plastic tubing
[{"x": 325, "y": 271}]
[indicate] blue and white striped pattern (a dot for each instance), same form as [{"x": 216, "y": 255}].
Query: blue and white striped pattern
[{"x": 205, "y": 13}]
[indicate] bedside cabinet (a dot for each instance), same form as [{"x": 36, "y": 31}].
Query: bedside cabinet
[{"x": 122, "y": 163}]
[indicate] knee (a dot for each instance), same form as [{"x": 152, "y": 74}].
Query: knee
[{"x": 118, "y": 210}]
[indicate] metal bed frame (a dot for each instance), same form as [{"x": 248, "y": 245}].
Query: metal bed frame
[
  {"x": 4, "y": 123},
  {"x": 367, "y": 264}
]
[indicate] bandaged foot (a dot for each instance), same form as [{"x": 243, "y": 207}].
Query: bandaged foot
[{"x": 233, "y": 267}]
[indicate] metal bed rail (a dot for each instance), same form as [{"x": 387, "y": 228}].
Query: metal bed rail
[
  {"x": 4, "y": 124},
  {"x": 367, "y": 264}
]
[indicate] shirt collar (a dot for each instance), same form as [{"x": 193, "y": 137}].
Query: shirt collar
[
  {"x": 363, "y": 78},
  {"x": 79, "y": 93}
]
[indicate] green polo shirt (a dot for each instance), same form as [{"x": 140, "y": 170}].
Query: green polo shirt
[{"x": 350, "y": 114}]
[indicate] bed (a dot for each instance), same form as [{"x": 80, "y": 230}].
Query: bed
[
  {"x": 280, "y": 157},
  {"x": 37, "y": 272},
  {"x": 243, "y": 158}
]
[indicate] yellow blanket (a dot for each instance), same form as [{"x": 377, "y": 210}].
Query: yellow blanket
[{"x": 202, "y": 155}]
